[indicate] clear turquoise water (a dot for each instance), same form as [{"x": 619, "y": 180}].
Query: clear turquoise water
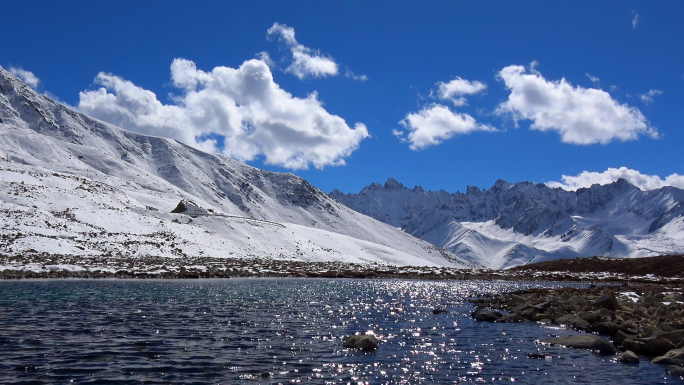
[{"x": 271, "y": 331}]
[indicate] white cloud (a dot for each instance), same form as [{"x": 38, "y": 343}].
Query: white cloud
[
  {"x": 350, "y": 75},
  {"x": 244, "y": 105},
  {"x": 305, "y": 61},
  {"x": 436, "y": 123},
  {"x": 579, "y": 115},
  {"x": 593, "y": 79},
  {"x": 643, "y": 181},
  {"x": 648, "y": 97},
  {"x": 27, "y": 76},
  {"x": 635, "y": 19},
  {"x": 455, "y": 89},
  {"x": 266, "y": 58}
]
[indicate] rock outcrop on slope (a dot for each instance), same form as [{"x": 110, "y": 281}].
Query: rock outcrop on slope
[
  {"x": 74, "y": 185},
  {"x": 514, "y": 224}
]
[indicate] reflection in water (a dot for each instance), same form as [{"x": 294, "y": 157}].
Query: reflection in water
[{"x": 278, "y": 331}]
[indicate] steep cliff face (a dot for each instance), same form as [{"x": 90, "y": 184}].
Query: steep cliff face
[
  {"x": 512, "y": 224},
  {"x": 38, "y": 135}
]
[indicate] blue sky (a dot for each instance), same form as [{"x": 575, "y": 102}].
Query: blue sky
[{"x": 441, "y": 95}]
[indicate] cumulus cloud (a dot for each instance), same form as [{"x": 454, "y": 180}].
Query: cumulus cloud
[
  {"x": 27, "y": 76},
  {"x": 305, "y": 61},
  {"x": 648, "y": 97},
  {"x": 434, "y": 124},
  {"x": 243, "y": 105},
  {"x": 643, "y": 181},
  {"x": 455, "y": 89},
  {"x": 579, "y": 115}
]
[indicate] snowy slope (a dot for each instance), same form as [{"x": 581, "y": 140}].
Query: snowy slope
[
  {"x": 70, "y": 184},
  {"x": 513, "y": 224}
]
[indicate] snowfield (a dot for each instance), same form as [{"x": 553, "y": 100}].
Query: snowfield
[{"x": 73, "y": 185}]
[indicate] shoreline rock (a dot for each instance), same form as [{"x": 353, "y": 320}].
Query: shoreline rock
[
  {"x": 642, "y": 320},
  {"x": 364, "y": 342},
  {"x": 628, "y": 357},
  {"x": 584, "y": 341}
]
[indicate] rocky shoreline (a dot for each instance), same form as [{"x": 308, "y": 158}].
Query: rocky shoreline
[
  {"x": 638, "y": 320},
  {"x": 43, "y": 265}
]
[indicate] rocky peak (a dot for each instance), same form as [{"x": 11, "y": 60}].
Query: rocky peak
[
  {"x": 9, "y": 82},
  {"x": 473, "y": 191},
  {"x": 392, "y": 184},
  {"x": 371, "y": 187},
  {"x": 501, "y": 185}
]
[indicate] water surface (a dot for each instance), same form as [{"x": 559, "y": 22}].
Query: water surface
[{"x": 279, "y": 331}]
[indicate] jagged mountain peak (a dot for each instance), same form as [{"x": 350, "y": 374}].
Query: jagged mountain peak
[
  {"x": 501, "y": 185},
  {"x": 616, "y": 219},
  {"x": 392, "y": 184}
]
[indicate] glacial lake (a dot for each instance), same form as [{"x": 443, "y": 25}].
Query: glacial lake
[{"x": 280, "y": 331}]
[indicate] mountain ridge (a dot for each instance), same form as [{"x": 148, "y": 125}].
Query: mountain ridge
[
  {"x": 147, "y": 177},
  {"x": 515, "y": 223}
]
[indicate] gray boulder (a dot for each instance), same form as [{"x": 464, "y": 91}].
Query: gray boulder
[
  {"x": 650, "y": 346},
  {"x": 606, "y": 328},
  {"x": 486, "y": 315},
  {"x": 367, "y": 343},
  {"x": 628, "y": 357},
  {"x": 620, "y": 337},
  {"x": 676, "y": 337},
  {"x": 511, "y": 318},
  {"x": 573, "y": 320},
  {"x": 585, "y": 341},
  {"x": 673, "y": 357},
  {"x": 676, "y": 370},
  {"x": 607, "y": 301}
]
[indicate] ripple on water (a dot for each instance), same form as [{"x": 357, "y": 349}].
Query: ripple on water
[{"x": 278, "y": 331}]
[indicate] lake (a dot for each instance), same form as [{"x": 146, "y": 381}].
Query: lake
[{"x": 280, "y": 331}]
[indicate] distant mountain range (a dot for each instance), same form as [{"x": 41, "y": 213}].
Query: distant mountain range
[
  {"x": 74, "y": 185},
  {"x": 516, "y": 223}
]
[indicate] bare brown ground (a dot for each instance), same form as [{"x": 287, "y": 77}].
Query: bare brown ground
[{"x": 663, "y": 266}]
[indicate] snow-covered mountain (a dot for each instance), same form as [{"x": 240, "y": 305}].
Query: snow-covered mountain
[
  {"x": 513, "y": 224},
  {"x": 73, "y": 185}
]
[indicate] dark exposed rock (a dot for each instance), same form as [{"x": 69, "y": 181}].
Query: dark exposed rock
[
  {"x": 673, "y": 357},
  {"x": 676, "y": 337},
  {"x": 542, "y": 305},
  {"x": 676, "y": 370},
  {"x": 584, "y": 341},
  {"x": 605, "y": 328},
  {"x": 538, "y": 356},
  {"x": 628, "y": 357},
  {"x": 607, "y": 301},
  {"x": 486, "y": 315},
  {"x": 649, "y": 346},
  {"x": 620, "y": 337},
  {"x": 438, "y": 311},
  {"x": 365, "y": 342},
  {"x": 572, "y": 320},
  {"x": 511, "y": 318},
  {"x": 181, "y": 207}
]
